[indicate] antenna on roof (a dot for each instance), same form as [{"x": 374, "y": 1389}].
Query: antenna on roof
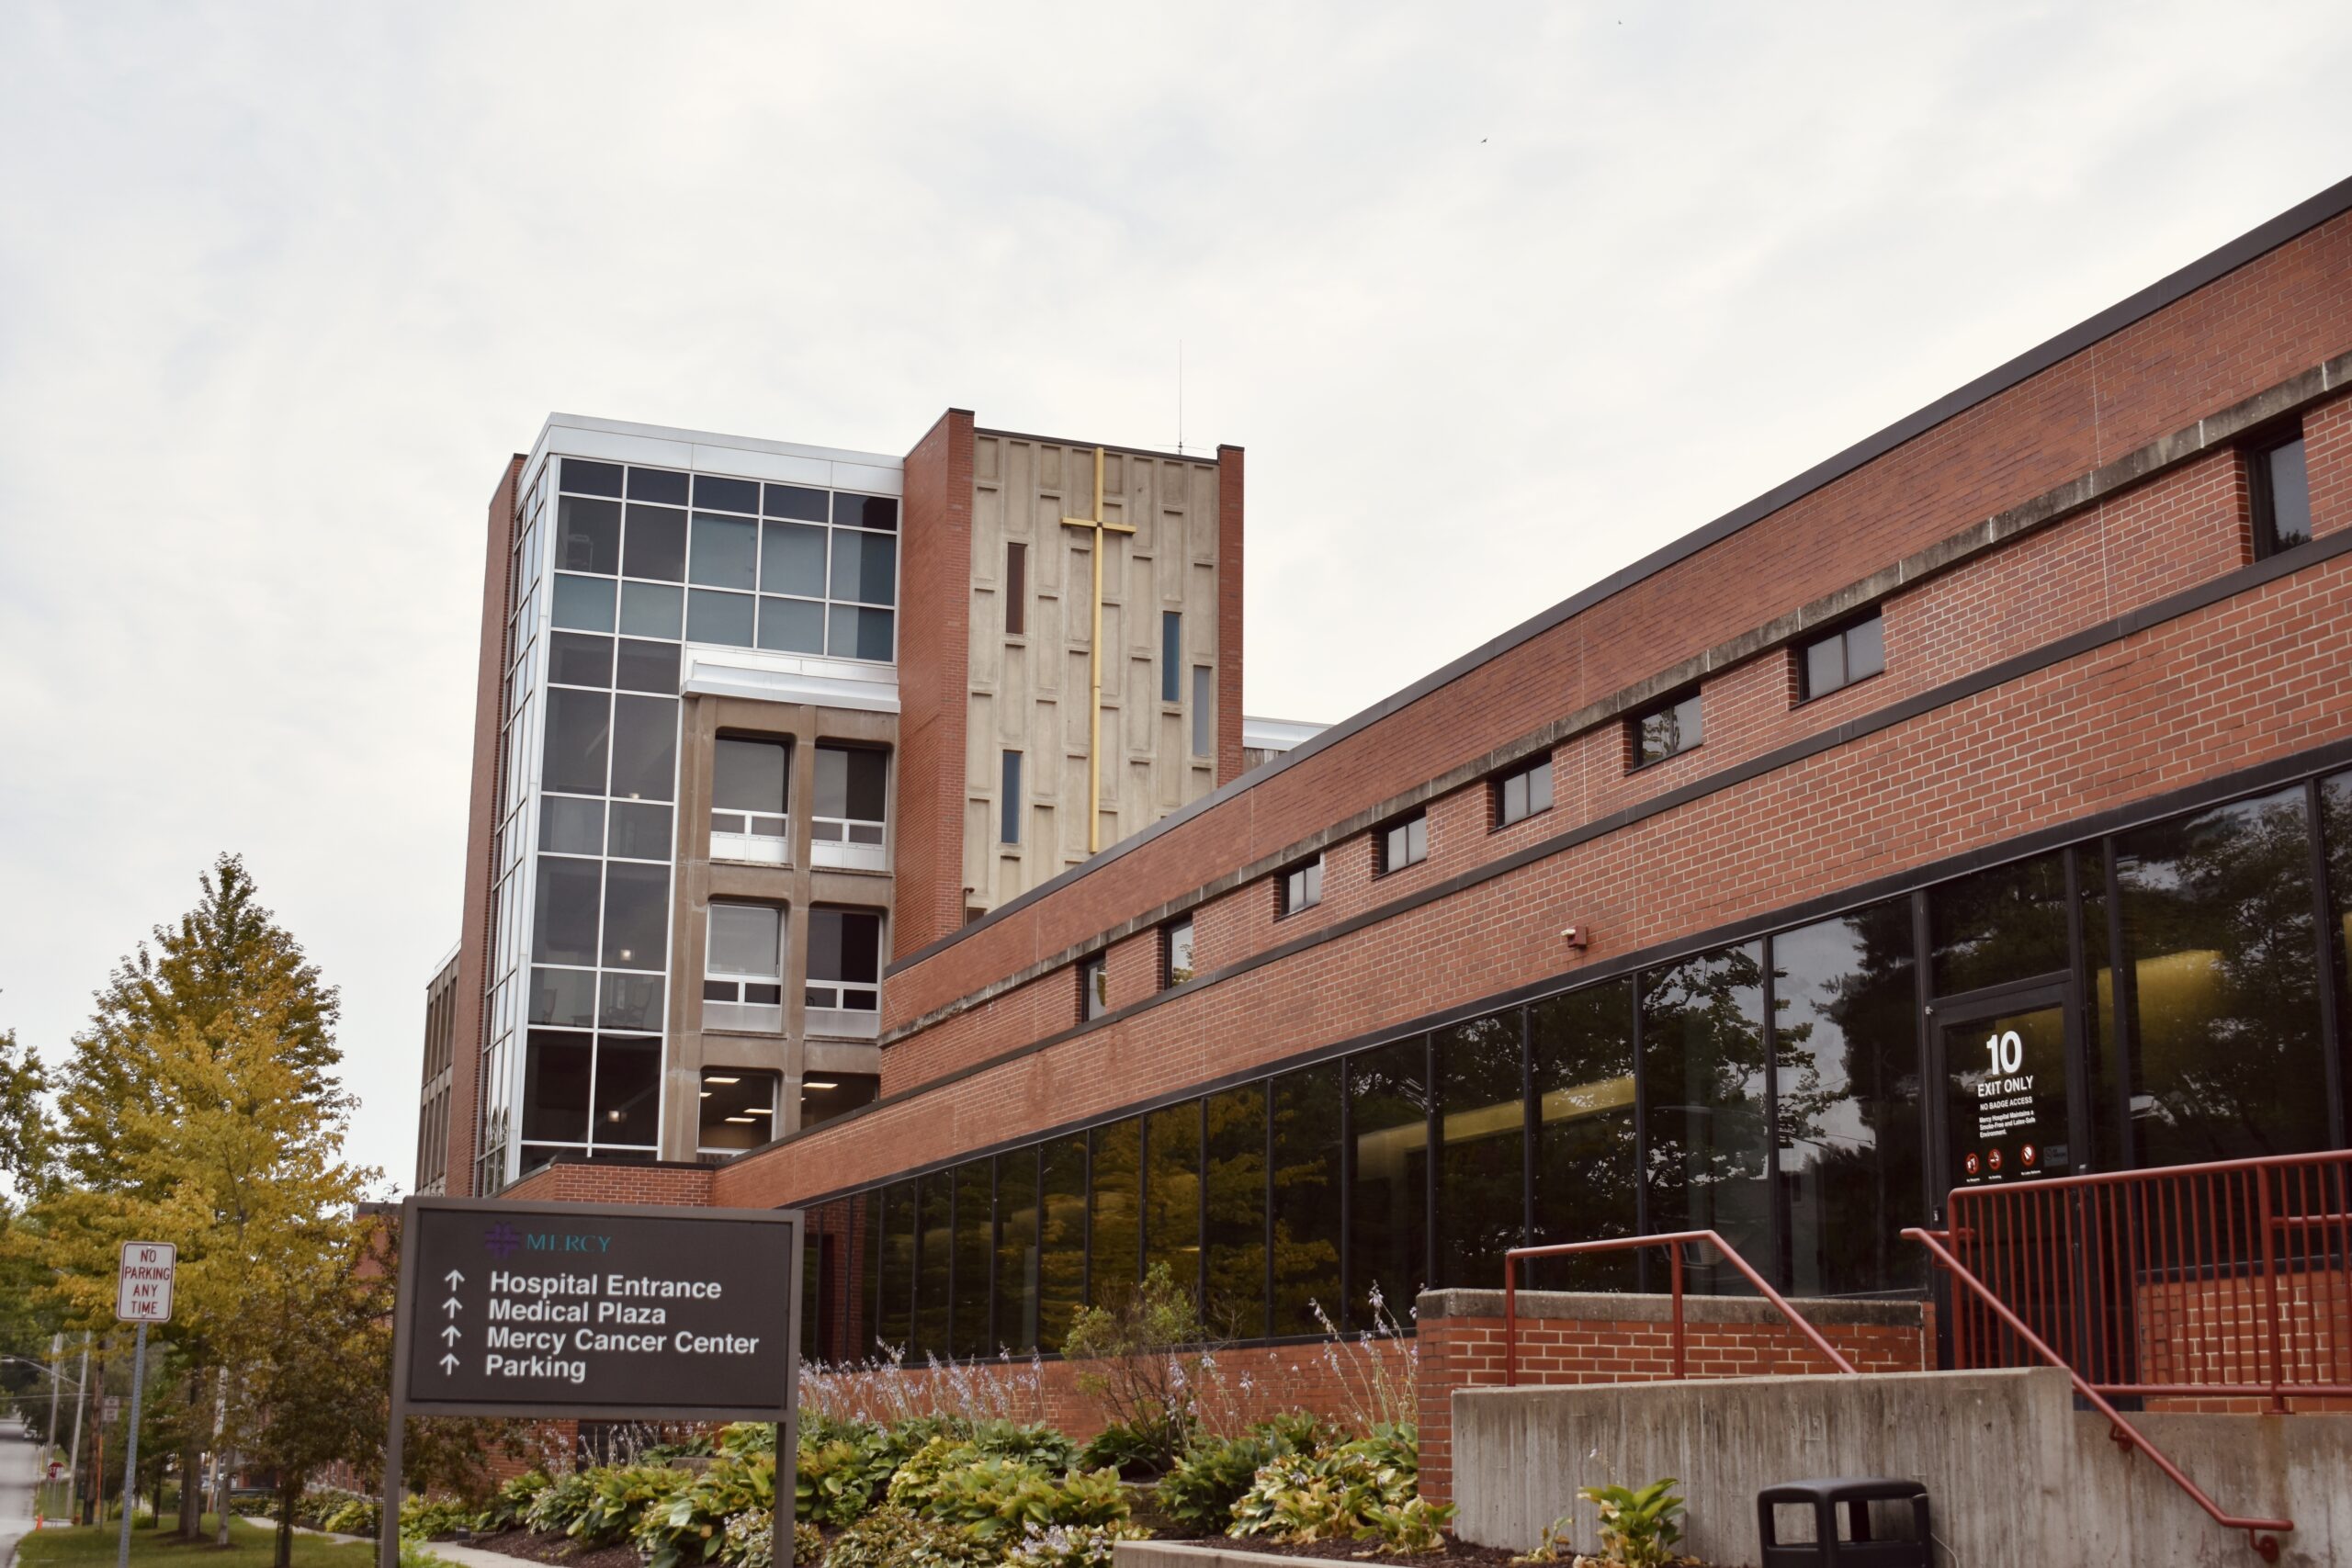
[{"x": 1180, "y": 396}]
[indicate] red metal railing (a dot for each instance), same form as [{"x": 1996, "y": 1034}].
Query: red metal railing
[
  {"x": 1674, "y": 1243},
  {"x": 2225, "y": 1280},
  {"x": 2258, "y": 1530}
]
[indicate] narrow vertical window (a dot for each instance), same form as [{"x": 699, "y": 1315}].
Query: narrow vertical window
[
  {"x": 2282, "y": 497},
  {"x": 1171, "y": 655},
  {"x": 1093, "y": 986},
  {"x": 1176, "y": 953},
  {"x": 1009, "y": 801},
  {"x": 1203, "y": 737},
  {"x": 1016, "y": 589}
]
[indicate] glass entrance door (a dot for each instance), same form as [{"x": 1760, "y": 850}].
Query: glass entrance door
[{"x": 2004, "y": 1072}]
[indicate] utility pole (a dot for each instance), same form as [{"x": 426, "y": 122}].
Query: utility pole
[
  {"x": 74, "y": 1462},
  {"x": 49, "y": 1433}
]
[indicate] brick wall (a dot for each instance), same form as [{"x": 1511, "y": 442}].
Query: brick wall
[
  {"x": 1582, "y": 1338},
  {"x": 482, "y": 835},
  {"x": 934, "y": 619},
  {"x": 572, "y": 1180}
]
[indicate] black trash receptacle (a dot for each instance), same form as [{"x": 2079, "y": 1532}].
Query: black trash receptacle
[{"x": 1856, "y": 1548}]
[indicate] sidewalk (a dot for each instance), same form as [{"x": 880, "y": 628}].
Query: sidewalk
[{"x": 447, "y": 1550}]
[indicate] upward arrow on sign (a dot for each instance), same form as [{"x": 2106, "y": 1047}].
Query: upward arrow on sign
[
  {"x": 455, "y": 1279},
  {"x": 450, "y": 1306}
]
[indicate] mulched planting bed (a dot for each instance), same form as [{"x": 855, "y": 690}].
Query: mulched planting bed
[
  {"x": 1457, "y": 1553},
  {"x": 557, "y": 1549}
]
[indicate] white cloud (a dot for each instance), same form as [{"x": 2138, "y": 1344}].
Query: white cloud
[{"x": 1499, "y": 297}]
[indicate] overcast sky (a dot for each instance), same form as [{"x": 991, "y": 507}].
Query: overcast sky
[{"x": 1498, "y": 298}]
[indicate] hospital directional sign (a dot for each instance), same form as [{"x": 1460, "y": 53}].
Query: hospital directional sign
[{"x": 569, "y": 1309}]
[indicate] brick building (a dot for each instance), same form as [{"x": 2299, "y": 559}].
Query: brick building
[{"x": 1975, "y": 806}]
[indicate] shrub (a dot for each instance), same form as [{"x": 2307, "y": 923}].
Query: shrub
[
  {"x": 355, "y": 1516},
  {"x": 1637, "y": 1528},
  {"x": 686, "y": 1527},
  {"x": 740, "y": 1439},
  {"x": 512, "y": 1501},
  {"x": 891, "y": 1537},
  {"x": 996, "y": 1500},
  {"x": 425, "y": 1520},
  {"x": 561, "y": 1502},
  {"x": 621, "y": 1497},
  {"x": 1201, "y": 1487},
  {"x": 1144, "y": 1363},
  {"x": 836, "y": 1479},
  {"x": 1033, "y": 1441},
  {"x": 1124, "y": 1448},
  {"x": 749, "y": 1541},
  {"x": 1071, "y": 1546},
  {"x": 1360, "y": 1491}
]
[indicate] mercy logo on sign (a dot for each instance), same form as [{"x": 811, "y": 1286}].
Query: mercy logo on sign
[{"x": 143, "y": 1285}]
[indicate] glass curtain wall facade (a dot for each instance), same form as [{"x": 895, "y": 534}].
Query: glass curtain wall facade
[
  {"x": 617, "y": 568},
  {"x": 1776, "y": 1089}
]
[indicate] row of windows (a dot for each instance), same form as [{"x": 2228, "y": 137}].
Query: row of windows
[
  {"x": 1783, "y": 1091},
  {"x": 751, "y": 789},
  {"x": 744, "y": 965}
]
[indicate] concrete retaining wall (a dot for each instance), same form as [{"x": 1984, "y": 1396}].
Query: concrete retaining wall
[{"x": 2019, "y": 1479}]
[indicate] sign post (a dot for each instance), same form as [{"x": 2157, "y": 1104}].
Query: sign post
[
  {"x": 142, "y": 1294},
  {"x": 595, "y": 1313}
]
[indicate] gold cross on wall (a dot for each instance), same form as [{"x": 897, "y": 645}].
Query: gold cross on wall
[{"x": 1100, "y": 525}]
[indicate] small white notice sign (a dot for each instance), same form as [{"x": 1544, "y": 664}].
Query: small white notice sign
[{"x": 144, "y": 1288}]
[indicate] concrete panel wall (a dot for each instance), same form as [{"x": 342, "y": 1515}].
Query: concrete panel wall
[
  {"x": 1031, "y": 689},
  {"x": 2018, "y": 1478}
]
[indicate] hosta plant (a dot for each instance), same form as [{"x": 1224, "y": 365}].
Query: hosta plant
[
  {"x": 1071, "y": 1546},
  {"x": 687, "y": 1526},
  {"x": 512, "y": 1501},
  {"x": 1637, "y": 1528},
  {"x": 749, "y": 1541}
]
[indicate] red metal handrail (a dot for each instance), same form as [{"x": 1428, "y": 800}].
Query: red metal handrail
[
  {"x": 2232, "y": 1278},
  {"x": 1673, "y": 1242},
  {"x": 2265, "y": 1545}
]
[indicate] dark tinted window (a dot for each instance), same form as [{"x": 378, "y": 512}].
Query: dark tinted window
[
  {"x": 792, "y": 559},
  {"x": 1171, "y": 656},
  {"x": 1062, "y": 1251},
  {"x": 641, "y": 830},
  {"x": 555, "y": 1088},
  {"x": 850, "y": 781},
  {"x": 1300, "y": 887},
  {"x": 647, "y": 667},
  {"x": 1171, "y": 1193},
  {"x": 591, "y": 478},
  {"x": 858, "y": 632},
  {"x": 657, "y": 484},
  {"x": 636, "y": 915},
  {"x": 866, "y": 511},
  {"x": 845, "y": 945},
  {"x": 1016, "y": 588},
  {"x": 1016, "y": 1250},
  {"x": 628, "y": 1091},
  {"x": 653, "y": 609},
  {"x": 571, "y": 827},
  {"x": 1580, "y": 1053},
  {"x": 2282, "y": 498},
  {"x": 725, "y": 553},
  {"x": 935, "y": 1240},
  {"x": 580, "y": 659},
  {"x": 582, "y": 603},
  {"x": 1008, "y": 806},
  {"x": 795, "y": 500},
  {"x": 1113, "y": 1234},
  {"x": 2217, "y": 927},
  {"x": 2335, "y": 804},
  {"x": 1388, "y": 1103},
  {"x": 968, "y": 1309},
  {"x": 1667, "y": 730},
  {"x": 588, "y": 535},
  {"x": 1702, "y": 1063},
  {"x": 1235, "y": 1242},
  {"x": 564, "y": 914},
  {"x": 656, "y": 545},
  {"x": 725, "y": 495},
  {"x": 865, "y": 568},
  {"x": 1842, "y": 658},
  {"x": 1482, "y": 1121},
  {"x": 1093, "y": 986},
  {"x": 822, "y": 1098},
  {"x": 2006, "y": 923},
  {"x": 1401, "y": 844},
  {"x": 749, "y": 775},
  {"x": 630, "y": 1001},
  {"x": 713, "y": 616},
  {"x": 1305, "y": 1198},
  {"x": 1523, "y": 793},
  {"x": 579, "y": 740},
  {"x": 645, "y": 747},
  {"x": 792, "y": 626},
  {"x": 894, "y": 1323},
  {"x": 1846, "y": 1039}
]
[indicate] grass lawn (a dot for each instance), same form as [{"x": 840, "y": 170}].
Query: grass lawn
[{"x": 70, "y": 1547}]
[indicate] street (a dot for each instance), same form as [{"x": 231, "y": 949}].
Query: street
[{"x": 18, "y": 1471}]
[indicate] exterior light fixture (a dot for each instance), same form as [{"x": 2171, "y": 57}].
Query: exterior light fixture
[
  {"x": 714, "y": 1078},
  {"x": 1577, "y": 936},
  {"x": 818, "y": 1083}
]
